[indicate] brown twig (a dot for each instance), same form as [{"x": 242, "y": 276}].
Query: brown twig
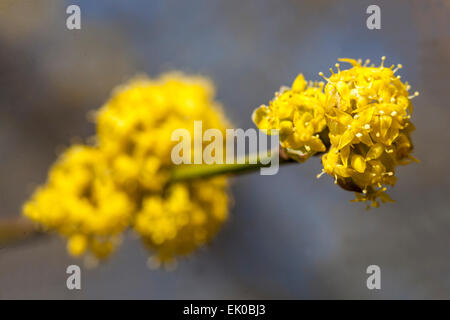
[{"x": 15, "y": 230}]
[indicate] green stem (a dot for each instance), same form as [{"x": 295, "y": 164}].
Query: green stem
[{"x": 198, "y": 171}]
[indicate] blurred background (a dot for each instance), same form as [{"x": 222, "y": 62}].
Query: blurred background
[{"x": 290, "y": 236}]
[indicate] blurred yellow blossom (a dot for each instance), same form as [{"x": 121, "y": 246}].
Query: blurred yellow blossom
[
  {"x": 298, "y": 113},
  {"x": 185, "y": 217},
  {"x": 135, "y": 126},
  {"x": 81, "y": 201},
  {"x": 368, "y": 111},
  {"x": 94, "y": 193},
  {"x": 134, "y": 131}
]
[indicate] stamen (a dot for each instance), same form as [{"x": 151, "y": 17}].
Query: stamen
[
  {"x": 337, "y": 67},
  {"x": 323, "y": 76},
  {"x": 382, "y": 61},
  {"x": 414, "y": 95},
  {"x": 399, "y": 66}
]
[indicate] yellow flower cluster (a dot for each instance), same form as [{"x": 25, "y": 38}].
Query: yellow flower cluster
[
  {"x": 81, "y": 202},
  {"x": 134, "y": 127},
  {"x": 298, "y": 115},
  {"x": 94, "y": 193},
  {"x": 185, "y": 217},
  {"x": 367, "y": 111},
  {"x": 368, "y": 115}
]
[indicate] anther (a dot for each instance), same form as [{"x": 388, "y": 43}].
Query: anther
[
  {"x": 323, "y": 76},
  {"x": 399, "y": 66},
  {"x": 414, "y": 95}
]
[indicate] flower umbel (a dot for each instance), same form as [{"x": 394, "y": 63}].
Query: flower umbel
[
  {"x": 361, "y": 118},
  {"x": 134, "y": 130},
  {"x": 183, "y": 218},
  {"x": 134, "y": 127},
  {"x": 368, "y": 112},
  {"x": 298, "y": 113},
  {"x": 81, "y": 201},
  {"x": 94, "y": 193}
]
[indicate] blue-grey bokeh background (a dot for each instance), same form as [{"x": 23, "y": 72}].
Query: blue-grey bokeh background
[{"x": 290, "y": 235}]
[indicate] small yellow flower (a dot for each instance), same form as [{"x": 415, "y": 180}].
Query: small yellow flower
[
  {"x": 368, "y": 111},
  {"x": 298, "y": 113}
]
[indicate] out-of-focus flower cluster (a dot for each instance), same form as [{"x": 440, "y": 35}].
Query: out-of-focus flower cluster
[
  {"x": 94, "y": 193},
  {"x": 364, "y": 112}
]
